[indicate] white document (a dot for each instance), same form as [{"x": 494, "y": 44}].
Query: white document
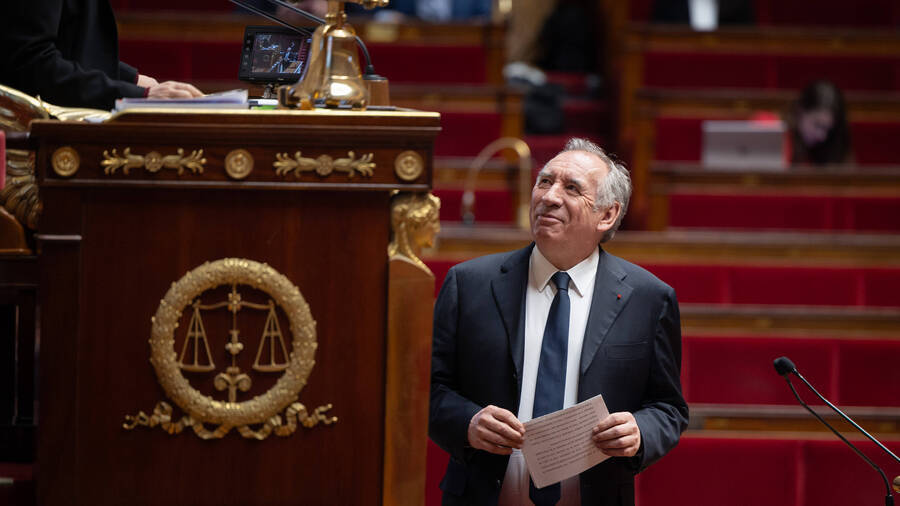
[{"x": 559, "y": 445}]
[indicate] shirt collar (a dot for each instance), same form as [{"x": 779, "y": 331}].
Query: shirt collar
[{"x": 581, "y": 274}]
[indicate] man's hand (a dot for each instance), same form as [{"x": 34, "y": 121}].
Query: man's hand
[
  {"x": 173, "y": 89},
  {"x": 146, "y": 81},
  {"x": 618, "y": 435},
  {"x": 496, "y": 430}
]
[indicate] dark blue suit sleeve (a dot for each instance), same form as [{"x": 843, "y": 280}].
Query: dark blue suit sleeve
[
  {"x": 33, "y": 59},
  {"x": 663, "y": 415},
  {"x": 449, "y": 412}
]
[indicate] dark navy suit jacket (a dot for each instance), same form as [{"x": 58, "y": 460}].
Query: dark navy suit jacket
[
  {"x": 66, "y": 51},
  {"x": 631, "y": 355}
]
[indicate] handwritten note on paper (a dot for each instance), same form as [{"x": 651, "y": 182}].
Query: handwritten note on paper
[{"x": 559, "y": 445}]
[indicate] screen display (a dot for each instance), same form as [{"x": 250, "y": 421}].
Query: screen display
[{"x": 273, "y": 54}]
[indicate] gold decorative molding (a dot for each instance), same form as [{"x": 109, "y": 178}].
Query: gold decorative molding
[
  {"x": 409, "y": 166},
  {"x": 153, "y": 161},
  {"x": 20, "y": 195},
  {"x": 324, "y": 165},
  {"x": 201, "y": 409},
  {"x": 65, "y": 161},
  {"x": 238, "y": 163},
  {"x": 415, "y": 223}
]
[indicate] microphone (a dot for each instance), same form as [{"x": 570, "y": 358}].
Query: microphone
[{"x": 784, "y": 366}]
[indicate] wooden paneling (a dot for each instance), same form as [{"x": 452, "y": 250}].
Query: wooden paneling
[{"x": 111, "y": 246}]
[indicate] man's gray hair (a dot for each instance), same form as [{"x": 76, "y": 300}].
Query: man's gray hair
[{"x": 615, "y": 187}]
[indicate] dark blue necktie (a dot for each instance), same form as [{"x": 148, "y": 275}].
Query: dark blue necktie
[{"x": 550, "y": 388}]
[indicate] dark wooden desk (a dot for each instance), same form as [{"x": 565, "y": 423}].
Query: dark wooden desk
[{"x": 112, "y": 243}]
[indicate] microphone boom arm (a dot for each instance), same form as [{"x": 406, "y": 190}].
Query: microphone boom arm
[{"x": 889, "y": 498}]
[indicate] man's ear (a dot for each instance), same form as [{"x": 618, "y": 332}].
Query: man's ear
[{"x": 608, "y": 217}]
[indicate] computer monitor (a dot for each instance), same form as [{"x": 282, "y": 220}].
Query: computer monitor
[{"x": 273, "y": 55}]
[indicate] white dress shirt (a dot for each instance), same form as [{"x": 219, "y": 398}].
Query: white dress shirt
[{"x": 538, "y": 296}]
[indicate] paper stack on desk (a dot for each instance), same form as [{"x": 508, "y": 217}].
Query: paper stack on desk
[{"x": 233, "y": 99}]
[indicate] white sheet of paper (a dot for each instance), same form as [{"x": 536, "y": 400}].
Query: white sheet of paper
[{"x": 559, "y": 445}]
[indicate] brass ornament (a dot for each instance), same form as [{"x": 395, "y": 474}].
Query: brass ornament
[
  {"x": 324, "y": 165},
  {"x": 153, "y": 161},
  {"x": 414, "y": 223},
  {"x": 238, "y": 163},
  {"x": 20, "y": 195},
  {"x": 65, "y": 161},
  {"x": 262, "y": 409},
  {"x": 409, "y": 166}
]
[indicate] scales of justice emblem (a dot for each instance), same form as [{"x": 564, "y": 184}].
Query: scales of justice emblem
[{"x": 261, "y": 415}]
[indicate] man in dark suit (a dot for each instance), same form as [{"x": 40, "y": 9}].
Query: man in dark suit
[
  {"x": 67, "y": 51},
  {"x": 493, "y": 324}
]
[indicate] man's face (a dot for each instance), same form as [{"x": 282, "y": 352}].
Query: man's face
[{"x": 563, "y": 219}]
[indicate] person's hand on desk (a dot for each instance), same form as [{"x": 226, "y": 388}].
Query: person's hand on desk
[
  {"x": 146, "y": 81},
  {"x": 170, "y": 89},
  {"x": 618, "y": 435},
  {"x": 496, "y": 430}
]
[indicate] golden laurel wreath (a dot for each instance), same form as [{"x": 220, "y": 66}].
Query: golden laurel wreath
[{"x": 262, "y": 409}]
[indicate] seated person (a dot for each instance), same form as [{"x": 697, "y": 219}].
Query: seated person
[
  {"x": 820, "y": 134},
  {"x": 67, "y": 52}
]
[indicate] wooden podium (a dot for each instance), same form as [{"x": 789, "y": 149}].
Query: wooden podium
[{"x": 229, "y": 216}]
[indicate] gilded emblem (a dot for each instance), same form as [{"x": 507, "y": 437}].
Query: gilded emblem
[
  {"x": 272, "y": 355},
  {"x": 408, "y": 166},
  {"x": 324, "y": 165},
  {"x": 65, "y": 161},
  {"x": 238, "y": 163}
]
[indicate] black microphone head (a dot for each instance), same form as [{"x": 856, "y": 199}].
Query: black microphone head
[{"x": 783, "y": 365}]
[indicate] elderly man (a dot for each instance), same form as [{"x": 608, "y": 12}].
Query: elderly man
[{"x": 521, "y": 334}]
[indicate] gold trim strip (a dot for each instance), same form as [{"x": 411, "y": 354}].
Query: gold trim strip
[
  {"x": 324, "y": 165},
  {"x": 153, "y": 162}
]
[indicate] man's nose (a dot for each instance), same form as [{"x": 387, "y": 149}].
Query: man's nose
[{"x": 553, "y": 194}]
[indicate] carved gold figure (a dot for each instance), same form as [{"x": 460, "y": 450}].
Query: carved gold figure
[
  {"x": 272, "y": 356},
  {"x": 415, "y": 223}
]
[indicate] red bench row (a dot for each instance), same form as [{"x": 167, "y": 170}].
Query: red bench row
[
  {"x": 707, "y": 470},
  {"x": 763, "y": 285},
  {"x": 738, "y": 370},
  {"x": 826, "y": 13},
  {"x": 701, "y": 210},
  {"x": 210, "y": 60},
  {"x": 770, "y": 71},
  {"x": 873, "y": 142},
  {"x": 712, "y": 471},
  {"x": 785, "y": 212}
]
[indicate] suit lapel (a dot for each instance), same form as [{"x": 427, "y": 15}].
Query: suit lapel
[
  {"x": 508, "y": 289},
  {"x": 611, "y": 294}
]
